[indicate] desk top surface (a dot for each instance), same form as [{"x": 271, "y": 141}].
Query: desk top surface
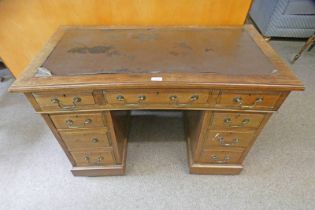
[
  {"x": 81, "y": 56},
  {"x": 130, "y": 51}
]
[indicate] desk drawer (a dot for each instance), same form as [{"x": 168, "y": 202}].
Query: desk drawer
[
  {"x": 78, "y": 120},
  {"x": 104, "y": 157},
  {"x": 78, "y": 140},
  {"x": 236, "y": 121},
  {"x": 249, "y": 100},
  {"x": 221, "y": 156},
  {"x": 157, "y": 97},
  {"x": 64, "y": 101},
  {"x": 228, "y": 138}
]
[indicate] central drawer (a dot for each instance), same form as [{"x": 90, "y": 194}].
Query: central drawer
[
  {"x": 157, "y": 97},
  {"x": 78, "y": 120}
]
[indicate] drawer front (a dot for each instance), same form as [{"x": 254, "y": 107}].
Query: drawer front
[
  {"x": 264, "y": 101},
  {"x": 221, "y": 156},
  {"x": 228, "y": 139},
  {"x": 237, "y": 121},
  {"x": 76, "y": 120},
  {"x": 87, "y": 139},
  {"x": 64, "y": 101},
  {"x": 151, "y": 97},
  {"x": 105, "y": 157}
]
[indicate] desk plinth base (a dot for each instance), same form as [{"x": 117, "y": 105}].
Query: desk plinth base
[
  {"x": 208, "y": 169},
  {"x": 113, "y": 170}
]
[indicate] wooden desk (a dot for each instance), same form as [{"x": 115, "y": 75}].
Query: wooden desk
[{"x": 227, "y": 80}]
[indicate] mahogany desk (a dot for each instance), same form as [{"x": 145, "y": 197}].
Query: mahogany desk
[{"x": 228, "y": 81}]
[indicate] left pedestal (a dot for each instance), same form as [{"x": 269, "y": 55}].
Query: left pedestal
[{"x": 95, "y": 142}]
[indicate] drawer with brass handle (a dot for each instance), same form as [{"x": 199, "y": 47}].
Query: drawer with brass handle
[
  {"x": 242, "y": 100},
  {"x": 238, "y": 121},
  {"x": 94, "y": 158},
  {"x": 221, "y": 156},
  {"x": 64, "y": 101},
  {"x": 78, "y": 140},
  {"x": 157, "y": 97},
  {"x": 78, "y": 120},
  {"x": 228, "y": 138}
]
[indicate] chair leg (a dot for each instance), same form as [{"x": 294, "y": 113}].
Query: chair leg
[
  {"x": 311, "y": 47},
  {"x": 267, "y": 38},
  {"x": 308, "y": 44}
]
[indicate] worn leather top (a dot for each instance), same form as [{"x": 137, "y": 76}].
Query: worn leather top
[{"x": 184, "y": 50}]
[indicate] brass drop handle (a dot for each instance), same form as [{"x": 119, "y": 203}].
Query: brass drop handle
[
  {"x": 55, "y": 101},
  {"x": 216, "y": 160},
  {"x": 70, "y": 123},
  {"x": 141, "y": 98},
  {"x": 94, "y": 140},
  {"x": 75, "y": 101},
  {"x": 220, "y": 139},
  {"x": 86, "y": 158},
  {"x": 239, "y": 100},
  {"x": 173, "y": 99},
  {"x": 194, "y": 98},
  {"x": 228, "y": 122},
  {"x": 87, "y": 121},
  {"x": 120, "y": 98},
  {"x": 100, "y": 158}
]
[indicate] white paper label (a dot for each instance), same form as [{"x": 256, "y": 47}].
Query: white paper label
[{"x": 158, "y": 79}]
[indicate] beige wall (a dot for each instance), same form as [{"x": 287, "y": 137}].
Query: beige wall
[{"x": 26, "y": 25}]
